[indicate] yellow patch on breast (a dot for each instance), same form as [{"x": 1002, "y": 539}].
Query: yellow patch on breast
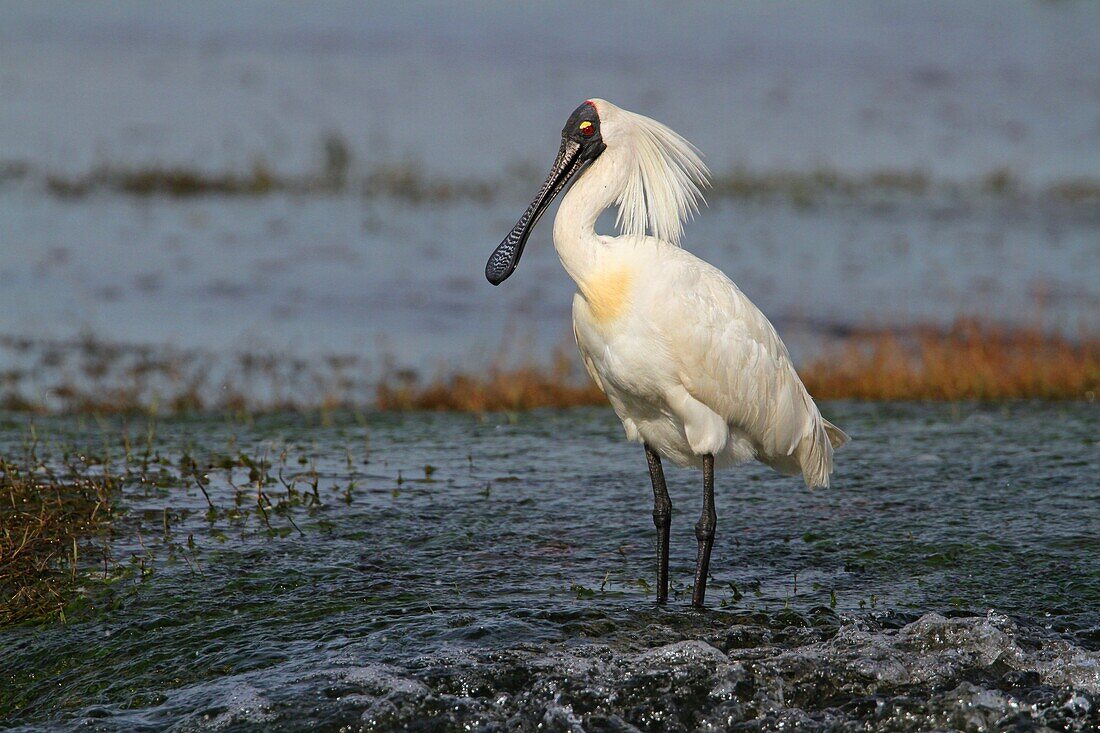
[{"x": 608, "y": 293}]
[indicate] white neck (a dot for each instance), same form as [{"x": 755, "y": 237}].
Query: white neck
[{"x": 575, "y": 238}]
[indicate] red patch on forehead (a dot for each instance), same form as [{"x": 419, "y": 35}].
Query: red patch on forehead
[{"x": 592, "y": 104}]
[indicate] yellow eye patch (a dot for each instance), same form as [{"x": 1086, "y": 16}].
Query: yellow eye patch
[{"x": 587, "y": 128}]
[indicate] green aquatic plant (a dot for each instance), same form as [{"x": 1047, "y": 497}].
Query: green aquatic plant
[{"x": 60, "y": 518}]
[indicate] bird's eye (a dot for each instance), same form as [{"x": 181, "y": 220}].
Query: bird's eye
[{"x": 587, "y": 128}]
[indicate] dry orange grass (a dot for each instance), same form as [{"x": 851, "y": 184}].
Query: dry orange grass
[
  {"x": 498, "y": 389},
  {"x": 969, "y": 361}
]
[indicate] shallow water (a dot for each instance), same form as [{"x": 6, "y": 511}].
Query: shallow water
[{"x": 493, "y": 575}]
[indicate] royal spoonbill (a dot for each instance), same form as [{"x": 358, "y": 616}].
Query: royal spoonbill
[{"x": 693, "y": 369}]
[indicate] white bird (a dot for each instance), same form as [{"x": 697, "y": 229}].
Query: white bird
[{"x": 693, "y": 369}]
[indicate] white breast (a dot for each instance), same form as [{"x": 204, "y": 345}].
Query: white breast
[{"x": 691, "y": 366}]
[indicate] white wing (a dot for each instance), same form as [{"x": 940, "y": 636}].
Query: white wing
[{"x": 731, "y": 359}]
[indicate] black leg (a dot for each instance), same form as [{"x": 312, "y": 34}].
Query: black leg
[
  {"x": 662, "y": 520},
  {"x": 704, "y": 532}
]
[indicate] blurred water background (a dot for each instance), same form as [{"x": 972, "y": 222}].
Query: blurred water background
[{"x": 878, "y": 164}]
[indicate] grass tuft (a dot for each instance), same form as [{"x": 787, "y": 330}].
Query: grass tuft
[{"x": 45, "y": 526}]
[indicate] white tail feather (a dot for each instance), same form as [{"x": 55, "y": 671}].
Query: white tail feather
[{"x": 836, "y": 436}]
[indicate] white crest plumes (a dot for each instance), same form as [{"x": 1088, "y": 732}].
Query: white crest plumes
[{"x": 665, "y": 175}]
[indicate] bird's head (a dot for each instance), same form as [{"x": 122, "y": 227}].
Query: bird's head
[
  {"x": 655, "y": 180},
  {"x": 581, "y": 143}
]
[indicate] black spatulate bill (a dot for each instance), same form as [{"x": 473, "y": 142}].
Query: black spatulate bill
[{"x": 581, "y": 143}]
